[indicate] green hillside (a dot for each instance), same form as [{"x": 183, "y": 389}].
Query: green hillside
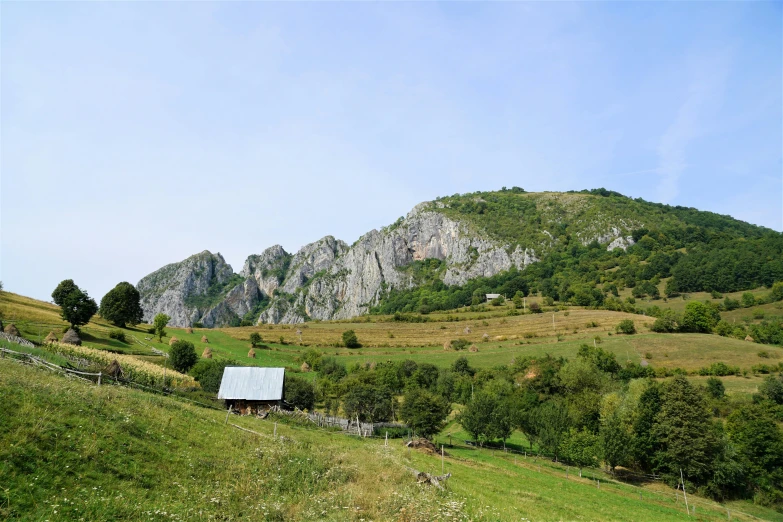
[
  {"x": 75, "y": 451},
  {"x": 691, "y": 250}
]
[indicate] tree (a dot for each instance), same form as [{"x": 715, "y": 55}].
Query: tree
[
  {"x": 350, "y": 340},
  {"x": 699, "y": 317},
  {"x": 615, "y": 441},
  {"x": 748, "y": 300},
  {"x": 462, "y": 366},
  {"x": 209, "y": 373},
  {"x": 424, "y": 411},
  {"x": 159, "y": 323},
  {"x": 255, "y": 339},
  {"x": 299, "y": 392},
  {"x": 580, "y": 448},
  {"x": 552, "y": 425},
  {"x": 476, "y": 417},
  {"x": 684, "y": 432},
  {"x": 368, "y": 402},
  {"x": 122, "y": 305},
  {"x": 772, "y": 389},
  {"x": 715, "y": 388},
  {"x": 182, "y": 356},
  {"x": 759, "y": 440},
  {"x": 626, "y": 326},
  {"x": 76, "y": 307}
]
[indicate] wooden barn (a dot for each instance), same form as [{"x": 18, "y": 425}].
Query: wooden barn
[{"x": 252, "y": 389}]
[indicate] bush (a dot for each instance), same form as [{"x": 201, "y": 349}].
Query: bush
[
  {"x": 715, "y": 387},
  {"x": 255, "y": 339},
  {"x": 350, "y": 340},
  {"x": 209, "y": 373},
  {"x": 183, "y": 356},
  {"x": 498, "y": 301},
  {"x": 626, "y": 326},
  {"x": 118, "y": 334},
  {"x": 460, "y": 344},
  {"x": 535, "y": 308},
  {"x": 195, "y": 325},
  {"x": 299, "y": 393},
  {"x": 730, "y": 304}
]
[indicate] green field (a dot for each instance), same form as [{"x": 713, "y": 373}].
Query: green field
[{"x": 71, "y": 450}]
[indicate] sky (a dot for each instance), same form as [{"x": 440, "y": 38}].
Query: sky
[{"x": 135, "y": 134}]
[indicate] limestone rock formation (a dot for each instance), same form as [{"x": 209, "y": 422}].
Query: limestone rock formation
[{"x": 329, "y": 279}]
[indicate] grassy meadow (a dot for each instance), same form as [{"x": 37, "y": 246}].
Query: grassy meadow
[
  {"x": 70, "y": 450},
  {"x": 498, "y": 337}
]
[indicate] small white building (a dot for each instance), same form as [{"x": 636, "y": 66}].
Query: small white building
[{"x": 490, "y": 297}]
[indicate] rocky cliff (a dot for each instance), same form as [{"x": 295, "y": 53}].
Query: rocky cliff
[{"x": 329, "y": 279}]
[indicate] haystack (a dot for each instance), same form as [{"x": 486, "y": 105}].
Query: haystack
[
  {"x": 114, "y": 369},
  {"x": 71, "y": 337},
  {"x": 252, "y": 353},
  {"x": 473, "y": 348},
  {"x": 204, "y": 339},
  {"x": 467, "y": 330},
  {"x": 12, "y": 330},
  {"x": 188, "y": 330},
  {"x": 51, "y": 338},
  {"x": 747, "y": 338},
  {"x": 447, "y": 346},
  {"x": 207, "y": 353},
  {"x": 485, "y": 337},
  {"x": 173, "y": 340},
  {"x": 305, "y": 367}
]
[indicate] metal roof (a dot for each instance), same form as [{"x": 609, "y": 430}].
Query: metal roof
[{"x": 252, "y": 383}]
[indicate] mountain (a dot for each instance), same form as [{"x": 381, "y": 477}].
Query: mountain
[{"x": 446, "y": 244}]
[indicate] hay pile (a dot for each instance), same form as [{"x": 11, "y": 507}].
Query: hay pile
[
  {"x": 473, "y": 348},
  {"x": 747, "y": 338},
  {"x": 305, "y": 367},
  {"x": 424, "y": 446},
  {"x": 204, "y": 339},
  {"x": 51, "y": 338},
  {"x": 447, "y": 346},
  {"x": 252, "y": 353},
  {"x": 207, "y": 353},
  {"x": 188, "y": 330},
  {"x": 173, "y": 340},
  {"x": 485, "y": 337},
  {"x": 12, "y": 330},
  {"x": 71, "y": 337},
  {"x": 467, "y": 330},
  {"x": 114, "y": 369}
]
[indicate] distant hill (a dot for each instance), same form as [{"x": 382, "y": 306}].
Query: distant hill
[{"x": 579, "y": 247}]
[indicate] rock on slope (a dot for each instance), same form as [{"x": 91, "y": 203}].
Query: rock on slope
[{"x": 329, "y": 279}]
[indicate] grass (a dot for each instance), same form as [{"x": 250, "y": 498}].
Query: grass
[
  {"x": 383, "y": 339},
  {"x": 71, "y": 450}
]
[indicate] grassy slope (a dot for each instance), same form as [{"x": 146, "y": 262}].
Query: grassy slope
[
  {"x": 71, "y": 450},
  {"x": 423, "y": 342}
]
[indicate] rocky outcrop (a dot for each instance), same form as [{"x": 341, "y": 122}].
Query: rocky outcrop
[
  {"x": 268, "y": 269},
  {"x": 329, "y": 279},
  {"x": 202, "y": 288}
]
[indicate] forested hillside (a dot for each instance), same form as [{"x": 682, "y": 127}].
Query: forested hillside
[{"x": 690, "y": 250}]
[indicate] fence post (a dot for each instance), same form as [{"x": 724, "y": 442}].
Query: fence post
[{"x": 99, "y": 378}]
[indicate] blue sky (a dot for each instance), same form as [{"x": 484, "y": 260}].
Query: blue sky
[{"x": 135, "y": 134}]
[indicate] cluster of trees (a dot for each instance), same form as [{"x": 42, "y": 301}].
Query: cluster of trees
[
  {"x": 120, "y": 306},
  {"x": 588, "y": 410}
]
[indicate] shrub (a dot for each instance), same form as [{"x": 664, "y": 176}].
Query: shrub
[
  {"x": 748, "y": 300},
  {"x": 730, "y": 304},
  {"x": 182, "y": 356},
  {"x": 117, "y": 334},
  {"x": 715, "y": 387},
  {"x": 499, "y": 300},
  {"x": 535, "y": 308},
  {"x": 716, "y": 295},
  {"x": 763, "y": 354},
  {"x": 759, "y": 314},
  {"x": 300, "y": 393},
  {"x": 255, "y": 339},
  {"x": 198, "y": 325},
  {"x": 460, "y": 344},
  {"x": 350, "y": 340},
  {"x": 626, "y": 326}
]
